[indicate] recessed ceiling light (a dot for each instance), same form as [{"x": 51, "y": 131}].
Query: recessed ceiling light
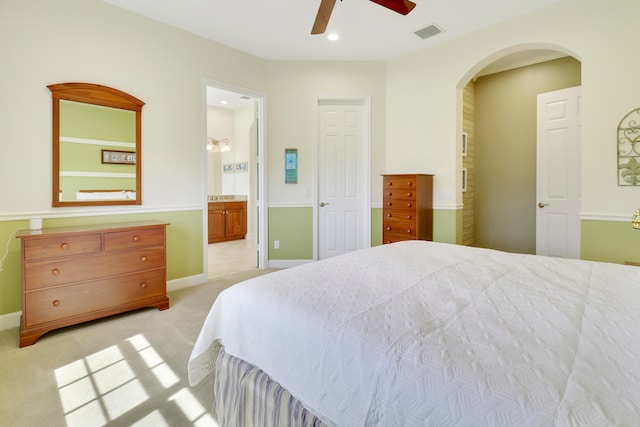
[
  {"x": 333, "y": 37},
  {"x": 224, "y": 102}
]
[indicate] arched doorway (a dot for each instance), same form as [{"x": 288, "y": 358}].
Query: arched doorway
[{"x": 499, "y": 122}]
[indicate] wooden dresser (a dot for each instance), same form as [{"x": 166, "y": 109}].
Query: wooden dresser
[
  {"x": 407, "y": 207},
  {"x": 76, "y": 274}
]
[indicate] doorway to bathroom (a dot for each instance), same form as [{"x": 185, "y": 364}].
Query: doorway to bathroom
[{"x": 234, "y": 222}]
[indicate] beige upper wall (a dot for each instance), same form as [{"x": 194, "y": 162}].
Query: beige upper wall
[
  {"x": 423, "y": 91},
  {"x": 294, "y": 87},
  {"x": 44, "y": 42},
  {"x": 416, "y": 116}
]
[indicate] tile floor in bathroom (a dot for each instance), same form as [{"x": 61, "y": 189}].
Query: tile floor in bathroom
[{"x": 231, "y": 257}]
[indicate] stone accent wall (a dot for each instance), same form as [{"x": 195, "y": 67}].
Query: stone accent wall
[{"x": 468, "y": 126}]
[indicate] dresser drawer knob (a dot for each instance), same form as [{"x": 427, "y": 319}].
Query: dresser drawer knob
[
  {"x": 143, "y": 285},
  {"x": 409, "y": 184},
  {"x": 409, "y": 205},
  {"x": 56, "y": 303},
  {"x": 388, "y": 215},
  {"x": 408, "y": 216},
  {"x": 389, "y": 183},
  {"x": 388, "y": 228},
  {"x": 408, "y": 231},
  {"x": 64, "y": 246},
  {"x": 143, "y": 258},
  {"x": 389, "y": 194},
  {"x": 409, "y": 194},
  {"x": 136, "y": 238},
  {"x": 55, "y": 271},
  {"x": 389, "y": 204}
]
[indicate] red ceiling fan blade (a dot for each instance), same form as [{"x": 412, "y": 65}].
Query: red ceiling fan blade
[
  {"x": 403, "y": 7},
  {"x": 322, "y": 18}
]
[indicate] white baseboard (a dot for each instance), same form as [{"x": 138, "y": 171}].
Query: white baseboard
[
  {"x": 186, "y": 282},
  {"x": 287, "y": 263},
  {"x": 10, "y": 320}
]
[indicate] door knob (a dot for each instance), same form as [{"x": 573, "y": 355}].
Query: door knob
[
  {"x": 542, "y": 205},
  {"x": 323, "y": 204}
]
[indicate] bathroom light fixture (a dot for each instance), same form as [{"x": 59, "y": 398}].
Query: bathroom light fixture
[
  {"x": 333, "y": 36},
  {"x": 218, "y": 145}
]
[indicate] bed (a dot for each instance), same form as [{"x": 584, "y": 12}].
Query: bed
[{"x": 429, "y": 334}]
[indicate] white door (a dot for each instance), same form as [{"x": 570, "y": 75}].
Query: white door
[
  {"x": 343, "y": 204},
  {"x": 558, "y": 173}
]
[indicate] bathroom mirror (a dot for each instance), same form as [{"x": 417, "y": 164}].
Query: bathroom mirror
[{"x": 96, "y": 146}]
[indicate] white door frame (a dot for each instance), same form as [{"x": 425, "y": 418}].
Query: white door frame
[
  {"x": 365, "y": 174},
  {"x": 258, "y": 164}
]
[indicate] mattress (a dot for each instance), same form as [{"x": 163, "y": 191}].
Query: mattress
[{"x": 424, "y": 333}]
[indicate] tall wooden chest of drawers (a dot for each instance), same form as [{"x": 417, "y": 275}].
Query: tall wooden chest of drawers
[
  {"x": 76, "y": 274},
  {"x": 407, "y": 207}
]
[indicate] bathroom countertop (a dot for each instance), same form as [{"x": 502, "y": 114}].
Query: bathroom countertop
[{"x": 227, "y": 198}]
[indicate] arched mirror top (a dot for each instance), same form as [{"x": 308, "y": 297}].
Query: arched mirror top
[{"x": 96, "y": 146}]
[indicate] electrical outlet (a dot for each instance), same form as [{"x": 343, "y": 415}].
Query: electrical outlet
[{"x": 276, "y": 244}]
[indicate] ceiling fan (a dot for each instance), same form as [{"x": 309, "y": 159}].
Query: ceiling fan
[{"x": 403, "y": 7}]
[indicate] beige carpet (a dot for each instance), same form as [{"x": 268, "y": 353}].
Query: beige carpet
[{"x": 124, "y": 370}]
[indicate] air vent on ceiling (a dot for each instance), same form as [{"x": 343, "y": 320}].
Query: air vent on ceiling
[
  {"x": 245, "y": 97},
  {"x": 429, "y": 31}
]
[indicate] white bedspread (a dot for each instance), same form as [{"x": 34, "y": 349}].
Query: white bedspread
[{"x": 432, "y": 334}]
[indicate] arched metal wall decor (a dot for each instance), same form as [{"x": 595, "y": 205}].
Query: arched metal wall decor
[{"x": 629, "y": 149}]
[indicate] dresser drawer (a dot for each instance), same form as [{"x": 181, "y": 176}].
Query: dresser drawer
[
  {"x": 405, "y": 229},
  {"x": 407, "y": 194},
  {"x": 42, "y": 274},
  {"x": 60, "y": 246},
  {"x": 399, "y": 182},
  {"x": 395, "y": 215},
  {"x": 123, "y": 240},
  {"x": 398, "y": 204},
  {"x": 392, "y": 238},
  {"x": 46, "y": 305}
]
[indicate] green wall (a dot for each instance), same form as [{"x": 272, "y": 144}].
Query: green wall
[
  {"x": 609, "y": 241},
  {"x": 293, "y": 228},
  {"x": 184, "y": 247}
]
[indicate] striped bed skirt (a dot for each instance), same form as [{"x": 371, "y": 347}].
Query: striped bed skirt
[{"x": 245, "y": 396}]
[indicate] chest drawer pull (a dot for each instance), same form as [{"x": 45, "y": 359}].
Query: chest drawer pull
[
  {"x": 143, "y": 285},
  {"x": 64, "y": 246},
  {"x": 409, "y": 194},
  {"x": 56, "y": 303},
  {"x": 55, "y": 271},
  {"x": 143, "y": 258},
  {"x": 409, "y": 205},
  {"x": 136, "y": 238}
]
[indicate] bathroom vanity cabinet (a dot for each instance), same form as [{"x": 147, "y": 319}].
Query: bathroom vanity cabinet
[{"x": 227, "y": 220}]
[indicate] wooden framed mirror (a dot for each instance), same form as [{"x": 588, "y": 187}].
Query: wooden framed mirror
[{"x": 97, "y": 151}]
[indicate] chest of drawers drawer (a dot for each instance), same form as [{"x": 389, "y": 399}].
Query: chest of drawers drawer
[
  {"x": 41, "y": 274},
  {"x": 61, "y": 246},
  {"x": 46, "y": 305},
  {"x": 123, "y": 240}
]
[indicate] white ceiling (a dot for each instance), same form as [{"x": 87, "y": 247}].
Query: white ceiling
[{"x": 280, "y": 30}]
